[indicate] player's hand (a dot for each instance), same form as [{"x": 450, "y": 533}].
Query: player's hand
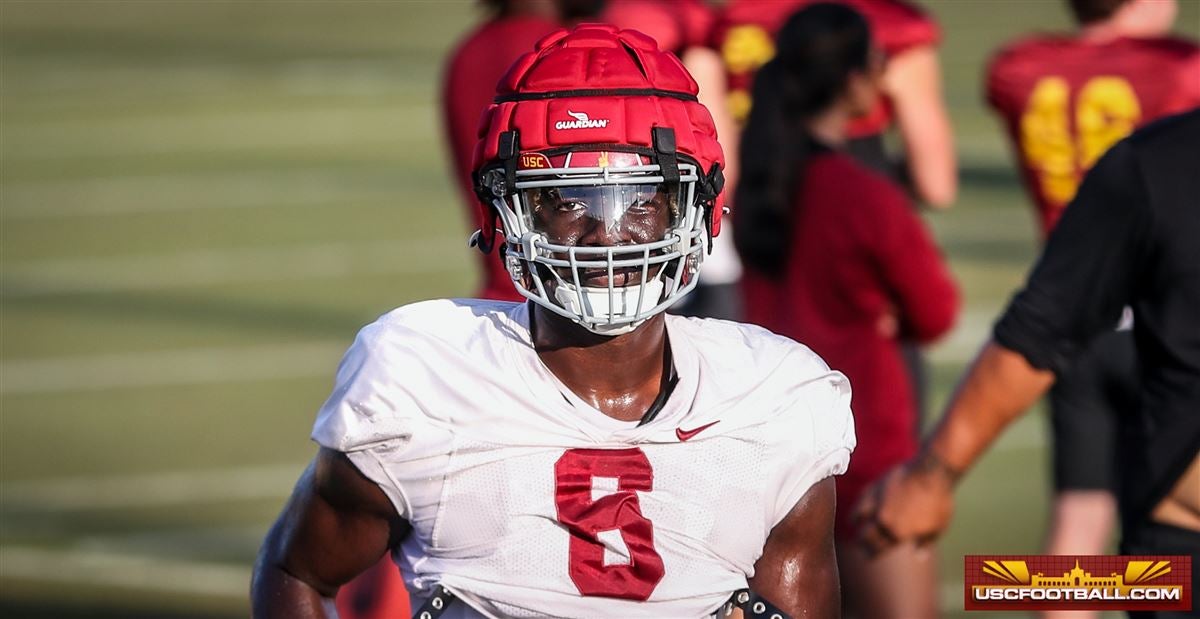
[{"x": 912, "y": 503}]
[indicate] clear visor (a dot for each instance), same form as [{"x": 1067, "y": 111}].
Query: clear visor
[{"x": 602, "y": 215}]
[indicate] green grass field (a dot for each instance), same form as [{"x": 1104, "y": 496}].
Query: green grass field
[{"x": 201, "y": 202}]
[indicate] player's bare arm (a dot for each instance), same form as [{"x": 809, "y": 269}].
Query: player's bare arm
[
  {"x": 798, "y": 569},
  {"x": 708, "y": 70},
  {"x": 914, "y": 502},
  {"x": 1181, "y": 506},
  {"x": 913, "y": 81},
  {"x": 336, "y": 524}
]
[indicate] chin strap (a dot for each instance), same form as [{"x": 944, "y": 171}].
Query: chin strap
[
  {"x": 495, "y": 184},
  {"x": 708, "y": 188}
]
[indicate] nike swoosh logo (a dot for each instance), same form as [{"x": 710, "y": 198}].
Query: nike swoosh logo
[{"x": 688, "y": 434}]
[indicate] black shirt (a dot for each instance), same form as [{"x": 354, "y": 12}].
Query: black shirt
[{"x": 1130, "y": 237}]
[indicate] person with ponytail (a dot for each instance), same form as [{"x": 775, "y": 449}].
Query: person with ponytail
[{"x": 837, "y": 259}]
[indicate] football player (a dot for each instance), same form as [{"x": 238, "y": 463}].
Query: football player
[
  {"x": 582, "y": 454},
  {"x": 1065, "y": 99}
]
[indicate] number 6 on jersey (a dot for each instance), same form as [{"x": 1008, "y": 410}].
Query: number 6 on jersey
[{"x": 586, "y": 519}]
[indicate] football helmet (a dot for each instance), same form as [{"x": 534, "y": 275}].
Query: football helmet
[{"x": 603, "y": 174}]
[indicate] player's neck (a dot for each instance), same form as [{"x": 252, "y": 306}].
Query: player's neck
[
  {"x": 1101, "y": 32},
  {"x": 620, "y": 376},
  {"x": 1117, "y": 27}
]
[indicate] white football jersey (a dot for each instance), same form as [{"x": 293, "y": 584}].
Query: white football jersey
[{"x": 527, "y": 502}]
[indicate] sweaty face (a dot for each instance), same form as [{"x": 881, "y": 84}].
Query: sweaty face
[{"x": 599, "y": 216}]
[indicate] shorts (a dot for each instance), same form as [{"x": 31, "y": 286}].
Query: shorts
[
  {"x": 1086, "y": 404},
  {"x": 1152, "y": 538}
]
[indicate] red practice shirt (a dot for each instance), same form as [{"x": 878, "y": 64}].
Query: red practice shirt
[
  {"x": 859, "y": 252},
  {"x": 1065, "y": 101},
  {"x": 675, "y": 24},
  {"x": 475, "y": 67},
  {"x": 745, "y": 36}
]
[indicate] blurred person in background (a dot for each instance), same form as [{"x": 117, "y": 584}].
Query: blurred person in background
[
  {"x": 911, "y": 88},
  {"x": 468, "y": 84},
  {"x": 1128, "y": 238},
  {"x": 684, "y": 27},
  {"x": 1065, "y": 99},
  {"x": 565, "y": 457},
  {"x": 836, "y": 257},
  {"x": 911, "y": 102}
]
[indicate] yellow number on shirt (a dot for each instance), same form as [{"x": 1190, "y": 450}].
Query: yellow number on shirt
[
  {"x": 746, "y": 48},
  {"x": 1106, "y": 110}
]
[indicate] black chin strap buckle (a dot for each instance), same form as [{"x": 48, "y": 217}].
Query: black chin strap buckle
[
  {"x": 509, "y": 148},
  {"x": 496, "y": 183},
  {"x": 664, "y": 151},
  {"x": 709, "y": 187}
]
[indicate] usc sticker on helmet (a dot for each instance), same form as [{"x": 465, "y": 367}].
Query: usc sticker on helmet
[{"x": 533, "y": 161}]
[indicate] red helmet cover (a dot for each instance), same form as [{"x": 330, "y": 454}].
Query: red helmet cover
[{"x": 597, "y": 85}]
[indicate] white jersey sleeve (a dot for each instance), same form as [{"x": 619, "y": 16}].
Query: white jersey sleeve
[
  {"x": 800, "y": 406},
  {"x": 816, "y": 417},
  {"x": 369, "y": 414},
  {"x": 395, "y": 394}
]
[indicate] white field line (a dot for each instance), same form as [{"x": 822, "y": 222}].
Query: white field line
[
  {"x": 125, "y": 571},
  {"x": 246, "y": 483},
  {"x": 231, "y": 266},
  {"x": 170, "y": 367},
  {"x": 168, "y": 193},
  {"x": 203, "y": 131}
]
